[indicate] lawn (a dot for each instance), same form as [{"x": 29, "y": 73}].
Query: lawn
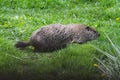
[{"x": 18, "y": 20}]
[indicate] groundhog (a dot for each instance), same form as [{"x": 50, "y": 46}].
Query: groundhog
[{"x": 56, "y": 36}]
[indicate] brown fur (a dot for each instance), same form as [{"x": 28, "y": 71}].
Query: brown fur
[{"x": 57, "y": 36}]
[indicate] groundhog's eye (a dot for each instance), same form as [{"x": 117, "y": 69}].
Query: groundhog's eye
[{"x": 88, "y": 28}]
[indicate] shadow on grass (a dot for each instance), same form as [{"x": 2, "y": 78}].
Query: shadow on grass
[{"x": 48, "y": 76}]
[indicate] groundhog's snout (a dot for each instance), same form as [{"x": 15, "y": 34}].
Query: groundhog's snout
[{"x": 98, "y": 34}]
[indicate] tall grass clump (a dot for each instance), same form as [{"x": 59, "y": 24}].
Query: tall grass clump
[{"x": 109, "y": 66}]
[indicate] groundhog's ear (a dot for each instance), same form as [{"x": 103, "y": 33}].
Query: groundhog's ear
[{"x": 88, "y": 28}]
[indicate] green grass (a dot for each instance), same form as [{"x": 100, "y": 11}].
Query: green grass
[
  {"x": 19, "y": 18},
  {"x": 109, "y": 64}
]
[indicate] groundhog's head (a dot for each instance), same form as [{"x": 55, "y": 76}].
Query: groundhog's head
[{"x": 84, "y": 34}]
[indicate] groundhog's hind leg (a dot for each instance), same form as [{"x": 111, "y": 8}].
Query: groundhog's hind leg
[{"x": 39, "y": 49}]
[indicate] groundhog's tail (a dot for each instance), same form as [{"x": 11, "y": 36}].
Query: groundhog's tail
[{"x": 22, "y": 44}]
